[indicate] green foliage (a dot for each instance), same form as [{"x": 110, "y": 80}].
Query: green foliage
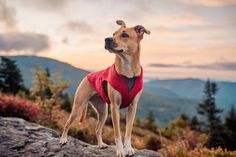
[
  {"x": 219, "y": 135},
  {"x": 230, "y": 124},
  {"x": 195, "y": 124},
  {"x": 149, "y": 122},
  {"x": 10, "y": 77},
  {"x": 230, "y": 120},
  {"x": 66, "y": 102},
  {"x": 48, "y": 91},
  {"x": 176, "y": 127},
  {"x": 208, "y": 109}
]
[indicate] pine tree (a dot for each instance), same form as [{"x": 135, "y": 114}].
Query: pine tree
[
  {"x": 230, "y": 123},
  {"x": 149, "y": 122},
  {"x": 151, "y": 117},
  {"x": 66, "y": 102},
  {"x": 230, "y": 120},
  {"x": 10, "y": 77},
  {"x": 195, "y": 124},
  {"x": 48, "y": 92},
  {"x": 208, "y": 109}
]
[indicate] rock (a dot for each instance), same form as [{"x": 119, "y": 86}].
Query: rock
[{"x": 19, "y": 138}]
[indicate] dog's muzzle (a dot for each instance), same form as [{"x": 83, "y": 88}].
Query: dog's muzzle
[{"x": 111, "y": 45}]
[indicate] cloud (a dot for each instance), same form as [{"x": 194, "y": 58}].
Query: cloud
[
  {"x": 209, "y": 3},
  {"x": 50, "y": 5},
  {"x": 216, "y": 66},
  {"x": 30, "y": 42},
  {"x": 231, "y": 66},
  {"x": 164, "y": 65},
  {"x": 184, "y": 19},
  {"x": 78, "y": 26},
  {"x": 7, "y": 16}
]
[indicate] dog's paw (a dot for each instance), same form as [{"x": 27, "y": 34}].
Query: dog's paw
[
  {"x": 102, "y": 145},
  {"x": 129, "y": 150},
  {"x": 120, "y": 152},
  {"x": 63, "y": 140}
]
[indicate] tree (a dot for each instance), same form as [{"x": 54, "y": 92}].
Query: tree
[
  {"x": 47, "y": 91},
  {"x": 195, "y": 124},
  {"x": 149, "y": 122},
  {"x": 66, "y": 102},
  {"x": 230, "y": 122},
  {"x": 10, "y": 77},
  {"x": 207, "y": 108}
]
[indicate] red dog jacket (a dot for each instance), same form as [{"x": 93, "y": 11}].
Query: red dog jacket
[{"x": 118, "y": 82}]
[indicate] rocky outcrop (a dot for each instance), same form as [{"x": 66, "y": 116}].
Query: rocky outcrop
[{"x": 19, "y": 138}]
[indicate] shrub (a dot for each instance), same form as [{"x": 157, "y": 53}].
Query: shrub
[
  {"x": 181, "y": 149},
  {"x": 14, "y": 106},
  {"x": 191, "y": 144},
  {"x": 152, "y": 143}
]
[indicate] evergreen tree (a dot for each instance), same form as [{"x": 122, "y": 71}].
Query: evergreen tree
[
  {"x": 230, "y": 120},
  {"x": 66, "y": 102},
  {"x": 151, "y": 118},
  {"x": 48, "y": 92},
  {"x": 149, "y": 122},
  {"x": 195, "y": 124},
  {"x": 208, "y": 109},
  {"x": 10, "y": 77},
  {"x": 230, "y": 123}
]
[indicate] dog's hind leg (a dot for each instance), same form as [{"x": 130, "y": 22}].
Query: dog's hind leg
[
  {"x": 83, "y": 93},
  {"x": 102, "y": 110}
]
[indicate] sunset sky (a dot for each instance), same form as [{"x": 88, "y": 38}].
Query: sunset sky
[{"x": 189, "y": 38}]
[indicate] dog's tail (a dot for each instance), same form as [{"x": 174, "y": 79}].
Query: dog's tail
[{"x": 83, "y": 114}]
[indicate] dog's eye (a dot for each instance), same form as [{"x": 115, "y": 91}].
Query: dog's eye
[{"x": 124, "y": 35}]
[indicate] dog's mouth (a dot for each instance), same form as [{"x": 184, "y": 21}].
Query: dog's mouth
[{"x": 113, "y": 50}]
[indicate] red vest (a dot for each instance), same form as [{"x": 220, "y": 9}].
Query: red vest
[{"x": 118, "y": 82}]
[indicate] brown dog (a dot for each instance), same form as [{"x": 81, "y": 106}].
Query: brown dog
[{"x": 125, "y": 43}]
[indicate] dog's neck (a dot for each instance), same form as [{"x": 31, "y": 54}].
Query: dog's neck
[{"x": 128, "y": 65}]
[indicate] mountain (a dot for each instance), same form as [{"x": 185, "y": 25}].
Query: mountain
[
  {"x": 167, "y": 99},
  {"x": 68, "y": 72},
  {"x": 193, "y": 89},
  {"x": 165, "y": 109}
]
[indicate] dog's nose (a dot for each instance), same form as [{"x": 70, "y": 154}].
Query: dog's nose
[{"x": 108, "y": 41}]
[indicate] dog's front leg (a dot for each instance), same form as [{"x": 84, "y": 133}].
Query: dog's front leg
[
  {"x": 130, "y": 116},
  {"x": 115, "y": 99},
  {"x": 115, "y": 113}
]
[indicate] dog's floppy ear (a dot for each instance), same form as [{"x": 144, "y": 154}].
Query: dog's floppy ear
[
  {"x": 122, "y": 23},
  {"x": 140, "y": 30}
]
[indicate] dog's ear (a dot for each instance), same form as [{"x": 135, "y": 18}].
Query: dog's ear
[
  {"x": 140, "y": 30},
  {"x": 121, "y": 23}
]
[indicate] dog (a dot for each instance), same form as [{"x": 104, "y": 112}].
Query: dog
[{"x": 120, "y": 85}]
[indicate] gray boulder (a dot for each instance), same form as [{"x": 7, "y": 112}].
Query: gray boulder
[{"x": 19, "y": 138}]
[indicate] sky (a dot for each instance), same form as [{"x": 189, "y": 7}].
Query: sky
[{"x": 189, "y": 38}]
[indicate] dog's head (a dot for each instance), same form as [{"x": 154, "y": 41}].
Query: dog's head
[{"x": 125, "y": 40}]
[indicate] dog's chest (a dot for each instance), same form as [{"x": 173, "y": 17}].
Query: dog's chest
[{"x": 130, "y": 82}]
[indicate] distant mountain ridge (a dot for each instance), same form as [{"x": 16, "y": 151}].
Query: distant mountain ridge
[
  {"x": 193, "y": 89},
  {"x": 68, "y": 72},
  {"x": 166, "y": 98}
]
